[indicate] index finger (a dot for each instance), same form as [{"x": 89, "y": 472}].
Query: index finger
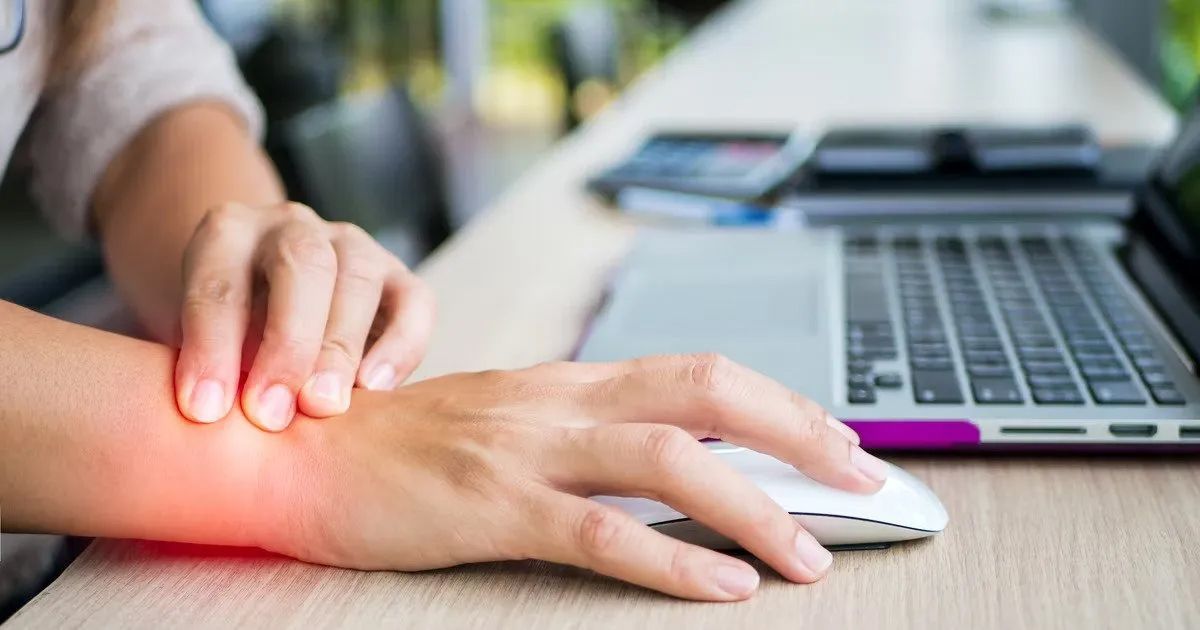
[
  {"x": 711, "y": 396},
  {"x": 214, "y": 316},
  {"x": 664, "y": 462}
]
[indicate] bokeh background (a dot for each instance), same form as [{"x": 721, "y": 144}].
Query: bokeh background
[{"x": 409, "y": 116}]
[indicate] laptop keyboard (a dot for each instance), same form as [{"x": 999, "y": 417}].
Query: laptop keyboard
[{"x": 1033, "y": 319}]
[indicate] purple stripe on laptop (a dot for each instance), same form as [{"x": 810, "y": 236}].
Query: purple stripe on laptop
[{"x": 916, "y": 434}]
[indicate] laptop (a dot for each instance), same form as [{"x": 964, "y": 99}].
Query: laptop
[{"x": 954, "y": 334}]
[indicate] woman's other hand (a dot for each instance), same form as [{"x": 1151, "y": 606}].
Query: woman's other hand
[
  {"x": 500, "y": 465},
  {"x": 312, "y": 307}
]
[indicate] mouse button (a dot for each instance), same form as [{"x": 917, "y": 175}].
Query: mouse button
[{"x": 905, "y": 501}]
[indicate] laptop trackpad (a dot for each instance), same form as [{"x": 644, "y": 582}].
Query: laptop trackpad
[{"x": 720, "y": 306}]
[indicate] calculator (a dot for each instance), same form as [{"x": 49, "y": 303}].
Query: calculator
[{"x": 744, "y": 166}]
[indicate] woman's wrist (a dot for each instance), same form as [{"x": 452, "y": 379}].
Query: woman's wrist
[
  {"x": 303, "y": 481},
  {"x": 95, "y": 445}
]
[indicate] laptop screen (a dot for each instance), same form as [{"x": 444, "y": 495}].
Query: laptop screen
[
  {"x": 1163, "y": 254},
  {"x": 1178, "y": 181}
]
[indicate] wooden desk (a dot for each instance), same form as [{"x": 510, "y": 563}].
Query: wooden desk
[{"x": 1032, "y": 542}]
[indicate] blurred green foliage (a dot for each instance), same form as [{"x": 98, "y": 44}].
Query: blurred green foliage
[
  {"x": 1181, "y": 51},
  {"x": 389, "y": 40}
]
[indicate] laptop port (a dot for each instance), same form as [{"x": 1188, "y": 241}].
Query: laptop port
[
  {"x": 1192, "y": 432},
  {"x": 1133, "y": 430},
  {"x": 1043, "y": 430}
]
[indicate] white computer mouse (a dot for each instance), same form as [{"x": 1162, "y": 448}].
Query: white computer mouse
[{"x": 904, "y": 509}]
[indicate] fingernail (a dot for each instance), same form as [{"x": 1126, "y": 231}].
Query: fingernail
[
  {"x": 812, "y": 554},
  {"x": 328, "y": 385},
  {"x": 382, "y": 377},
  {"x": 873, "y": 467},
  {"x": 275, "y": 407},
  {"x": 736, "y": 580},
  {"x": 843, "y": 428},
  {"x": 208, "y": 401}
]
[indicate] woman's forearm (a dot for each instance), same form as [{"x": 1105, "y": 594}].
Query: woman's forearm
[
  {"x": 157, "y": 190},
  {"x": 93, "y": 443}
]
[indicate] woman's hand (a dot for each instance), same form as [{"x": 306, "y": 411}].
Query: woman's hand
[
  {"x": 300, "y": 299},
  {"x": 499, "y": 465}
]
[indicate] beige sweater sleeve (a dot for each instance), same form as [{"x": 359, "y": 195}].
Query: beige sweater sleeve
[{"x": 155, "y": 56}]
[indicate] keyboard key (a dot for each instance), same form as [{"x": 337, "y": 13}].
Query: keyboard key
[
  {"x": 862, "y": 242},
  {"x": 936, "y": 387},
  {"x": 859, "y": 366},
  {"x": 1021, "y": 330},
  {"x": 1157, "y": 379},
  {"x": 988, "y": 371},
  {"x": 861, "y": 396},
  {"x": 873, "y": 353},
  {"x": 926, "y": 336},
  {"x": 1147, "y": 363},
  {"x": 992, "y": 391},
  {"x": 1045, "y": 367},
  {"x": 871, "y": 328},
  {"x": 1039, "y": 354},
  {"x": 929, "y": 350},
  {"x": 970, "y": 340},
  {"x": 1034, "y": 341},
  {"x": 950, "y": 244},
  {"x": 859, "y": 380},
  {"x": 1097, "y": 373},
  {"x": 1091, "y": 346},
  {"x": 976, "y": 330},
  {"x": 939, "y": 364},
  {"x": 1057, "y": 396},
  {"x": 1051, "y": 380},
  {"x": 1077, "y": 336},
  {"x": 1097, "y": 358},
  {"x": 985, "y": 357},
  {"x": 1117, "y": 393},
  {"x": 1167, "y": 396},
  {"x": 1142, "y": 354},
  {"x": 888, "y": 380},
  {"x": 974, "y": 344}
]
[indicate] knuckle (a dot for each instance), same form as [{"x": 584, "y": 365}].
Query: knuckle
[
  {"x": 214, "y": 291},
  {"x": 342, "y": 348},
  {"x": 713, "y": 374},
  {"x": 810, "y": 419},
  {"x": 306, "y": 252},
  {"x": 288, "y": 348},
  {"x": 679, "y": 570},
  {"x": 359, "y": 271},
  {"x": 600, "y": 532},
  {"x": 297, "y": 211},
  {"x": 350, "y": 231},
  {"x": 764, "y": 523},
  {"x": 666, "y": 447},
  {"x": 412, "y": 287},
  {"x": 220, "y": 224},
  {"x": 223, "y": 216}
]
